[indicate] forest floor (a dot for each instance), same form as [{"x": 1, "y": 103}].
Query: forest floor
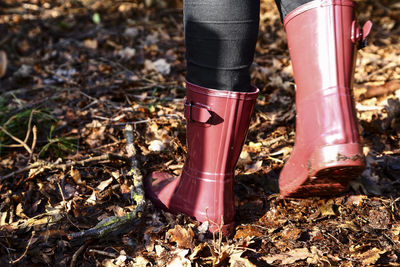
[{"x": 81, "y": 72}]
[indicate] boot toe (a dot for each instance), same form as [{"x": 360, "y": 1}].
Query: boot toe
[{"x": 159, "y": 188}]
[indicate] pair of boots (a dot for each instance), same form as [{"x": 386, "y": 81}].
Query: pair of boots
[{"x": 322, "y": 39}]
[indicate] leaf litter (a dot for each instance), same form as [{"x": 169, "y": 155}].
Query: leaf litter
[{"x": 83, "y": 70}]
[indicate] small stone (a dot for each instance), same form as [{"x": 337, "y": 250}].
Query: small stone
[
  {"x": 23, "y": 72},
  {"x": 156, "y": 146},
  {"x": 127, "y": 53},
  {"x": 131, "y": 32},
  {"x": 162, "y": 66}
]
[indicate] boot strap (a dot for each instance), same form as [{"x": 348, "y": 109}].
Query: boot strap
[
  {"x": 197, "y": 112},
  {"x": 359, "y": 36}
]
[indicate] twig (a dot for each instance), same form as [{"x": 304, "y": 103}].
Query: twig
[
  {"x": 26, "y": 249},
  {"x": 334, "y": 238},
  {"x": 28, "y": 132},
  {"x": 16, "y": 139},
  {"x": 3, "y": 63},
  {"x": 161, "y": 117},
  {"x": 27, "y": 168},
  {"x": 21, "y": 90},
  {"x": 65, "y": 79},
  {"x": 64, "y": 166},
  {"x": 107, "y": 145},
  {"x": 381, "y": 6},
  {"x": 62, "y": 196},
  {"x": 108, "y": 156},
  {"x": 34, "y": 131},
  {"x": 77, "y": 253},
  {"x": 381, "y": 70},
  {"x": 107, "y": 254},
  {"x": 273, "y": 141},
  {"x": 275, "y": 159},
  {"x": 152, "y": 86},
  {"x": 379, "y": 90},
  {"x": 103, "y": 253}
]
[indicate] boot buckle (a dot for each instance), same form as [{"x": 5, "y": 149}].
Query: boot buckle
[
  {"x": 197, "y": 112},
  {"x": 358, "y": 35}
]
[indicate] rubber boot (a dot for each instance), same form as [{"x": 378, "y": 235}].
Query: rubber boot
[
  {"x": 217, "y": 124},
  {"x": 322, "y": 38}
]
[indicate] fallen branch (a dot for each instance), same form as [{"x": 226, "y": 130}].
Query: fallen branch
[
  {"x": 115, "y": 223},
  {"x": 138, "y": 188},
  {"x": 379, "y": 90}
]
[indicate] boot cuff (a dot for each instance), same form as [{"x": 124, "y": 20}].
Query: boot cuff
[
  {"x": 251, "y": 95},
  {"x": 315, "y": 4}
]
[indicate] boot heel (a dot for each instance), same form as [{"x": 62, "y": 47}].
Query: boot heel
[
  {"x": 329, "y": 169},
  {"x": 336, "y": 163}
]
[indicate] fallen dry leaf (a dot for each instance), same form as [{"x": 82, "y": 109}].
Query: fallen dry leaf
[
  {"x": 289, "y": 257},
  {"x": 19, "y": 211},
  {"x": 181, "y": 236},
  {"x": 370, "y": 257},
  {"x": 290, "y": 233},
  {"x": 104, "y": 184},
  {"x": 91, "y": 43},
  {"x": 247, "y": 231},
  {"x": 355, "y": 200},
  {"x": 235, "y": 260},
  {"x": 196, "y": 251},
  {"x": 253, "y": 168},
  {"x": 179, "y": 260},
  {"x": 92, "y": 199},
  {"x": 76, "y": 176},
  {"x": 326, "y": 208},
  {"x": 140, "y": 261},
  {"x": 255, "y": 147}
]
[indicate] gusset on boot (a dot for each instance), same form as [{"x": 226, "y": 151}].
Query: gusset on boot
[
  {"x": 217, "y": 124},
  {"x": 322, "y": 38}
]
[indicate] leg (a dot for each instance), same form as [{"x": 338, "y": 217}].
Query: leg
[
  {"x": 322, "y": 38},
  {"x": 220, "y": 37}
]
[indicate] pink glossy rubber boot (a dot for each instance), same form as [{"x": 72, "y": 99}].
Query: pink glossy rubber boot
[
  {"x": 322, "y": 38},
  {"x": 217, "y": 124}
]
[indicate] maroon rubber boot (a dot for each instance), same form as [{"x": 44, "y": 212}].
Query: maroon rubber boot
[
  {"x": 322, "y": 38},
  {"x": 217, "y": 124}
]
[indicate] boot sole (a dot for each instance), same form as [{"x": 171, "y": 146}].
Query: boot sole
[
  {"x": 328, "y": 182},
  {"x": 330, "y": 169}
]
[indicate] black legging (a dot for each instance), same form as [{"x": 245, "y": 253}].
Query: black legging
[{"x": 220, "y": 37}]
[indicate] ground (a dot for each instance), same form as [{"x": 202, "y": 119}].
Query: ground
[{"x": 81, "y": 72}]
